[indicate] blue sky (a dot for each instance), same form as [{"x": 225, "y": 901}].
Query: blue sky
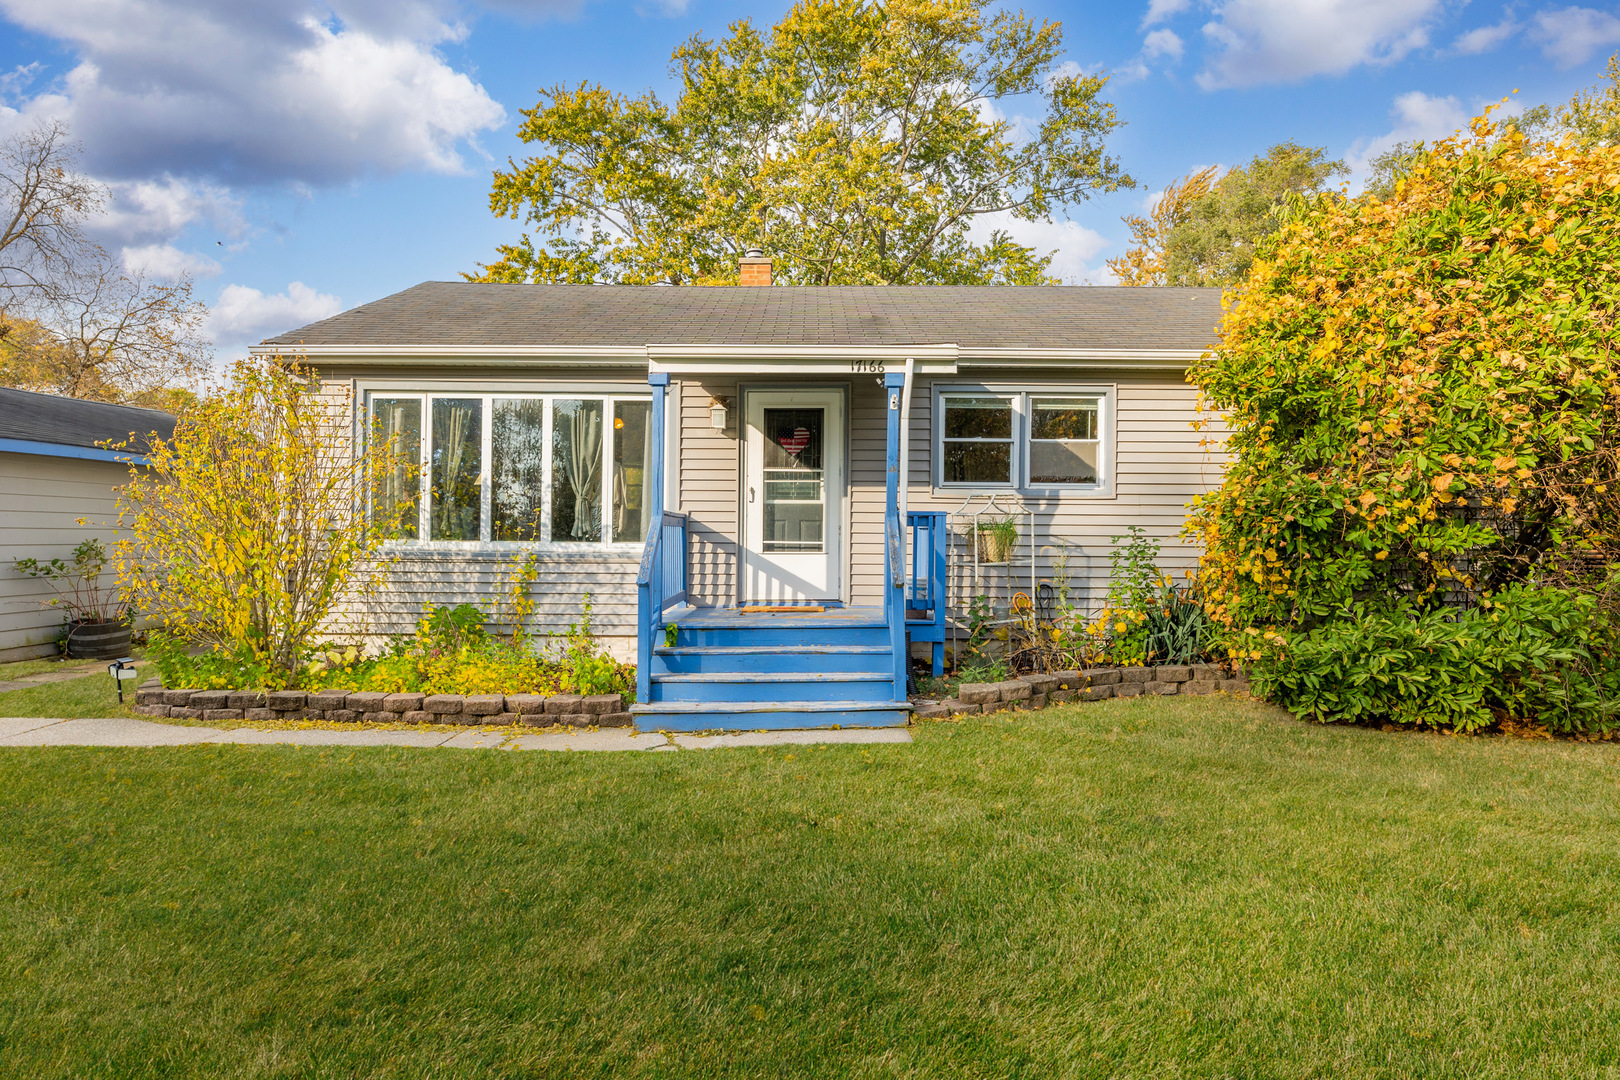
[{"x": 299, "y": 158}]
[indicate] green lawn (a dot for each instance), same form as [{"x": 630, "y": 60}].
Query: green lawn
[
  {"x": 91, "y": 696},
  {"x": 1141, "y": 888},
  {"x": 18, "y": 668}
]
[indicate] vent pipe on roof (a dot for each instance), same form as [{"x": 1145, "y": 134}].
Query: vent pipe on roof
[{"x": 754, "y": 268}]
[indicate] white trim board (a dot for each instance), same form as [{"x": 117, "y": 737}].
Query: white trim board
[{"x": 731, "y": 358}]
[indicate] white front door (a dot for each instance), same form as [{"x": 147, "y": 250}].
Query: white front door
[{"x": 793, "y": 491}]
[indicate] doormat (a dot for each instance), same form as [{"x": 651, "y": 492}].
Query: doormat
[{"x": 785, "y": 609}]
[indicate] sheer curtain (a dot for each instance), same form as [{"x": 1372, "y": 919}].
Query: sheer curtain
[{"x": 584, "y": 467}]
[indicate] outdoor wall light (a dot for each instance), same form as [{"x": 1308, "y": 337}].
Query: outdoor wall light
[
  {"x": 121, "y": 669},
  {"x": 717, "y": 413}
]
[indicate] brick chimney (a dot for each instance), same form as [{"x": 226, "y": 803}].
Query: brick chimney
[{"x": 754, "y": 267}]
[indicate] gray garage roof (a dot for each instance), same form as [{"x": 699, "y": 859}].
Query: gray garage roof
[
  {"x": 63, "y": 421},
  {"x": 464, "y": 314}
]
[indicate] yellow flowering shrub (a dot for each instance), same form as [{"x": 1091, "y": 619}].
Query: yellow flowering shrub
[{"x": 1422, "y": 392}]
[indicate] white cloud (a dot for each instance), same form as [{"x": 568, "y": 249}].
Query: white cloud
[
  {"x": 1131, "y": 71},
  {"x": 1163, "y": 42},
  {"x": 1074, "y": 244},
  {"x": 1570, "y": 36},
  {"x": 1485, "y": 38},
  {"x": 258, "y": 91},
  {"x": 1417, "y": 116},
  {"x": 147, "y": 211},
  {"x": 1266, "y": 41},
  {"x": 1160, "y": 10},
  {"x": 168, "y": 261},
  {"x": 244, "y": 315}
]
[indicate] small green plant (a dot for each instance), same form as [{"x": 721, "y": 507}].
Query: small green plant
[
  {"x": 980, "y": 624},
  {"x": 672, "y": 634},
  {"x": 984, "y": 671},
  {"x": 589, "y": 670},
  {"x": 1177, "y": 630},
  {"x": 77, "y": 583},
  {"x": 445, "y": 630},
  {"x": 1134, "y": 578}
]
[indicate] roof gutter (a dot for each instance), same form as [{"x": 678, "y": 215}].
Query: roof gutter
[
  {"x": 1133, "y": 359},
  {"x": 930, "y": 359},
  {"x": 627, "y": 355},
  {"x": 62, "y": 450}
]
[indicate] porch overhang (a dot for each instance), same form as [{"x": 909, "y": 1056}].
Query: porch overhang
[{"x": 939, "y": 359}]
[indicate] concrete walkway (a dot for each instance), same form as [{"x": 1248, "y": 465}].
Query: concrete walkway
[{"x": 120, "y": 732}]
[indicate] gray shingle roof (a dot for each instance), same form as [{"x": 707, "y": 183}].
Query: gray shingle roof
[
  {"x": 997, "y": 317},
  {"x": 68, "y": 421}
]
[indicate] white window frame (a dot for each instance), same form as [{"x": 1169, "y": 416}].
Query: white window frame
[
  {"x": 610, "y": 401},
  {"x": 1020, "y": 395}
]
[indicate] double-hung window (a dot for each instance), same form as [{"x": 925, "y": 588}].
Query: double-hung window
[
  {"x": 991, "y": 437},
  {"x": 551, "y": 469}
]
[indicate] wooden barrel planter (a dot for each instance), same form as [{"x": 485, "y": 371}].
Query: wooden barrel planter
[{"x": 98, "y": 641}]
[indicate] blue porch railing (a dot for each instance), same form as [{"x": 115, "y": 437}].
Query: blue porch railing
[
  {"x": 925, "y": 592},
  {"x": 661, "y": 581}
]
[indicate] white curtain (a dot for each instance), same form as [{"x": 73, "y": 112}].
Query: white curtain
[
  {"x": 460, "y": 420},
  {"x": 585, "y": 465}
]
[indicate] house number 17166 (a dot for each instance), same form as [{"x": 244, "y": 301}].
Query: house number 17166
[{"x": 873, "y": 366}]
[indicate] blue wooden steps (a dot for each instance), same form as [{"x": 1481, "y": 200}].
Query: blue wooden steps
[{"x": 729, "y": 670}]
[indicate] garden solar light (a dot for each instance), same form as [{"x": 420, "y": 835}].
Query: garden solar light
[{"x": 121, "y": 669}]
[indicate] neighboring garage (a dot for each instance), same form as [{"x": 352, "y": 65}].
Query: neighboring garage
[{"x": 53, "y": 473}]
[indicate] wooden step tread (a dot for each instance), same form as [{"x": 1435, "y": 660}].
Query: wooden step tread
[
  {"x": 769, "y": 706},
  {"x": 732, "y": 619},
  {"x": 775, "y": 676},
  {"x": 770, "y": 650}
]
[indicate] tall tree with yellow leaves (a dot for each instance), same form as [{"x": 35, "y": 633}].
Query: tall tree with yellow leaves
[{"x": 1144, "y": 264}]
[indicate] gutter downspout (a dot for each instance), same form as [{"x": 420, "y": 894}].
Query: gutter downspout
[{"x": 905, "y": 449}]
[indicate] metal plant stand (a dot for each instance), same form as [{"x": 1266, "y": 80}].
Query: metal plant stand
[{"x": 966, "y": 573}]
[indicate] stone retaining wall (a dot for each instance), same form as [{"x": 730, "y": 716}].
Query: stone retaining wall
[
  {"x": 535, "y": 710},
  {"x": 1092, "y": 684}
]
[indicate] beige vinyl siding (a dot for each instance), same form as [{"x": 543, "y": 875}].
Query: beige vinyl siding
[
  {"x": 41, "y": 501},
  {"x": 1158, "y": 462},
  {"x": 1159, "y": 466},
  {"x": 417, "y": 577},
  {"x": 707, "y": 485}
]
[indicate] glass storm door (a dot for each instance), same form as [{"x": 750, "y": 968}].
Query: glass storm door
[{"x": 793, "y": 491}]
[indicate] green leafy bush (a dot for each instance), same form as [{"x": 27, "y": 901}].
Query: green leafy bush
[
  {"x": 213, "y": 669},
  {"x": 1548, "y": 655},
  {"x": 451, "y": 652}
]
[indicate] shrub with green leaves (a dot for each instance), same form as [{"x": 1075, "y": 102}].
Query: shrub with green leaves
[{"x": 1541, "y": 654}]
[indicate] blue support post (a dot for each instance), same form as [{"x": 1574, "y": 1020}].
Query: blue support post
[
  {"x": 894, "y": 565},
  {"x": 650, "y": 581},
  {"x": 936, "y": 589}
]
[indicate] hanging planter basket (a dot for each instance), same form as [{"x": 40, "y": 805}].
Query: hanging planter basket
[{"x": 996, "y": 542}]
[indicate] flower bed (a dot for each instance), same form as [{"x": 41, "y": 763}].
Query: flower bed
[
  {"x": 1092, "y": 684},
  {"x": 374, "y": 707}
]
